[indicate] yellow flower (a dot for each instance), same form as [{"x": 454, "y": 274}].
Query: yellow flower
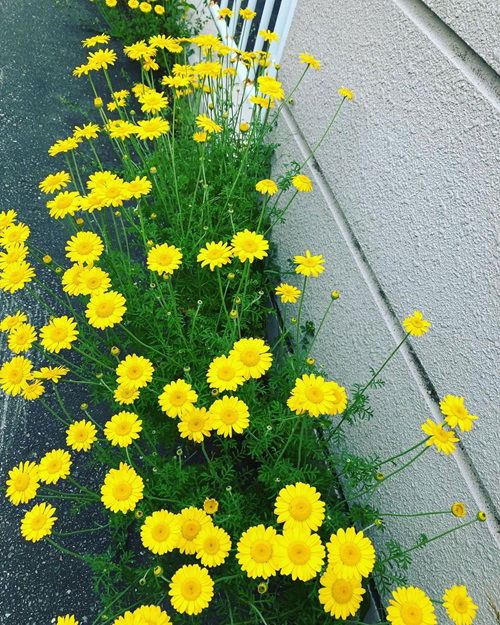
[
  {"x": 200, "y": 137},
  {"x": 266, "y": 186},
  {"x": 299, "y": 554},
  {"x": 244, "y": 127},
  {"x": 269, "y": 35},
  {"x": 195, "y": 424},
  {"x": 160, "y": 532},
  {"x": 126, "y": 394},
  {"x": 101, "y": 59},
  {"x": 164, "y": 258},
  {"x": 135, "y": 370},
  {"x": 256, "y": 552},
  {"x": 215, "y": 255},
  {"x": 122, "y": 489},
  {"x": 145, "y": 7},
  {"x": 7, "y": 218},
  {"x": 33, "y": 390},
  {"x": 153, "y": 101},
  {"x": 87, "y": 131},
  {"x": 309, "y": 265},
  {"x": 444, "y": 440},
  {"x": 93, "y": 281},
  {"x": 66, "y": 145},
  {"x": 68, "y": 619},
  {"x": 159, "y": 9},
  {"x": 212, "y": 545},
  {"x": 225, "y": 13},
  {"x": 416, "y": 325},
  {"x": 22, "y": 483},
  {"x": 22, "y": 338},
  {"x": 177, "y": 398},
  {"x": 210, "y": 506},
  {"x": 351, "y": 554},
  {"x": 54, "y": 466},
  {"x": 302, "y": 183},
  {"x": 80, "y": 435},
  {"x": 346, "y": 93},
  {"x": 139, "y": 186},
  {"x": 105, "y": 309},
  {"x": 458, "y": 509},
  {"x": 72, "y": 280},
  {"x": 410, "y": 606},
  {"x": 247, "y": 14},
  {"x": 15, "y": 233},
  {"x": 299, "y": 506},
  {"x": 54, "y": 182},
  {"x": 229, "y": 415},
  {"x": 225, "y": 373},
  {"x": 91, "y": 42},
  {"x": 208, "y": 125},
  {"x": 459, "y": 605},
  {"x": 14, "y": 253},
  {"x": 254, "y": 357},
  {"x": 152, "y": 128},
  {"x": 14, "y": 374},
  {"x": 50, "y": 373},
  {"x": 341, "y": 597},
  {"x": 122, "y": 428},
  {"x": 151, "y": 614},
  {"x": 64, "y": 203},
  {"x": 309, "y": 60},
  {"x": 191, "y": 520},
  {"x": 15, "y": 276},
  {"x": 312, "y": 394},
  {"x": 249, "y": 246},
  {"x": 38, "y": 522},
  {"x": 191, "y": 589},
  {"x": 288, "y": 293},
  {"x": 11, "y": 322},
  {"x": 58, "y": 334},
  {"x": 456, "y": 414},
  {"x": 84, "y": 247},
  {"x": 271, "y": 88}
]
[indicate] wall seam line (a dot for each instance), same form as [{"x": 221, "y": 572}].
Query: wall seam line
[
  {"x": 477, "y": 71},
  {"x": 466, "y": 467}
]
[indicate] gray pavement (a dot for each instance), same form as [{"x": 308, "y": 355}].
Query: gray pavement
[{"x": 39, "y": 46}]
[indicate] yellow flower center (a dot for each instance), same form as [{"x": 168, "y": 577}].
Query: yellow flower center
[
  {"x": 191, "y": 589},
  {"x": 160, "y": 532},
  {"x": 229, "y": 416},
  {"x": 16, "y": 275},
  {"x": 21, "y": 481},
  {"x": 83, "y": 247},
  {"x": 314, "y": 394},
  {"x": 308, "y": 261},
  {"x": 112, "y": 192},
  {"x": 190, "y": 529},
  {"x": 300, "y": 508},
  {"x": 299, "y": 553},
  {"x": 211, "y": 545},
  {"x": 123, "y": 428},
  {"x": 37, "y": 522},
  {"x": 134, "y": 372},
  {"x": 80, "y": 435},
  {"x": 261, "y": 551},
  {"x": 196, "y": 424},
  {"x": 164, "y": 258},
  {"x": 226, "y": 372},
  {"x": 411, "y": 614},
  {"x": 122, "y": 491},
  {"x": 177, "y": 398},
  {"x": 15, "y": 376},
  {"x": 54, "y": 466},
  {"x": 249, "y": 245},
  {"x": 104, "y": 309},
  {"x": 460, "y": 604},
  {"x": 64, "y": 201},
  {"x": 250, "y": 357},
  {"x": 350, "y": 554},
  {"x": 441, "y": 435},
  {"x": 341, "y": 590},
  {"x": 59, "y": 334}
]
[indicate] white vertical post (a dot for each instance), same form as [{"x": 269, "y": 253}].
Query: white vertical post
[{"x": 242, "y": 44}]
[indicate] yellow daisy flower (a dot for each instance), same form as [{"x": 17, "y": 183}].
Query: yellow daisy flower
[
  {"x": 288, "y": 293},
  {"x": 212, "y": 545},
  {"x": 195, "y": 424},
  {"x": 200, "y": 137},
  {"x": 68, "y": 619},
  {"x": 302, "y": 183},
  {"x": 122, "y": 428},
  {"x": 72, "y": 282},
  {"x": 254, "y": 356},
  {"x": 416, "y": 325},
  {"x": 65, "y": 145},
  {"x": 177, "y": 398},
  {"x": 309, "y": 60},
  {"x": 105, "y": 310},
  {"x": 122, "y": 489},
  {"x": 309, "y": 265},
  {"x": 153, "y": 101},
  {"x": 191, "y": 589},
  {"x": 208, "y": 125},
  {"x": 54, "y": 466},
  {"x": 7, "y": 218},
  {"x": 14, "y": 253},
  {"x": 191, "y": 521},
  {"x": 312, "y": 394},
  {"x": 443, "y": 440},
  {"x": 80, "y": 435},
  {"x": 58, "y": 334},
  {"x": 225, "y": 373},
  {"x": 164, "y": 259},
  {"x": 456, "y": 414},
  {"x": 101, "y": 59},
  {"x": 299, "y": 554},
  {"x": 299, "y": 506},
  {"x": 410, "y": 606},
  {"x": 84, "y": 247},
  {"x": 126, "y": 394},
  {"x": 215, "y": 255},
  {"x": 346, "y": 93},
  {"x": 271, "y": 88},
  {"x": 135, "y": 370},
  {"x": 152, "y": 615},
  {"x": 249, "y": 246},
  {"x": 38, "y": 522},
  {"x": 15, "y": 276},
  {"x": 152, "y": 128},
  {"x": 14, "y": 374},
  {"x": 459, "y": 605},
  {"x": 90, "y": 42},
  {"x": 160, "y": 532},
  {"x": 247, "y": 14},
  {"x": 13, "y": 321},
  {"x": 340, "y": 596},
  {"x": 256, "y": 552},
  {"x": 33, "y": 391},
  {"x": 229, "y": 414},
  {"x": 210, "y": 506},
  {"x": 266, "y": 186},
  {"x": 351, "y": 554},
  {"x": 64, "y": 203},
  {"x": 87, "y": 131},
  {"x": 94, "y": 281},
  {"x": 15, "y": 233},
  {"x": 139, "y": 186},
  {"x": 22, "y": 483},
  {"x": 50, "y": 373},
  {"x": 21, "y": 338}
]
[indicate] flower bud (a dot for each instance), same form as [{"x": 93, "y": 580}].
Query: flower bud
[
  {"x": 458, "y": 509},
  {"x": 47, "y": 259}
]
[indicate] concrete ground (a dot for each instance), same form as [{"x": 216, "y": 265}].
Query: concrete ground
[{"x": 39, "y": 47}]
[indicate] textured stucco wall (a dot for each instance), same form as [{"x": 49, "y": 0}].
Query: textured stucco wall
[{"x": 413, "y": 167}]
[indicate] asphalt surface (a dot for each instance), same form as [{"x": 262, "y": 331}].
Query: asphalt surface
[{"x": 39, "y": 101}]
